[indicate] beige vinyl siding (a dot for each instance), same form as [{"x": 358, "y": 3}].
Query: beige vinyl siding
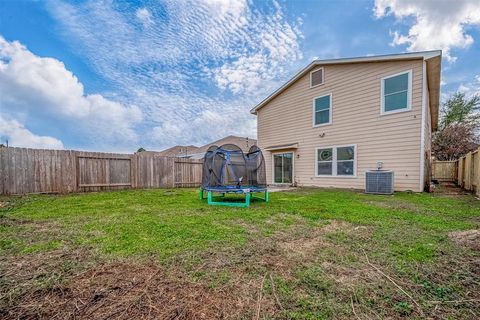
[
  {"x": 394, "y": 139},
  {"x": 427, "y": 141}
]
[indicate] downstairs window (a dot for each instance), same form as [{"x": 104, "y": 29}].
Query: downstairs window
[{"x": 336, "y": 161}]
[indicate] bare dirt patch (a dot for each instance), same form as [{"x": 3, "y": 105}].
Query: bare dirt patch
[
  {"x": 350, "y": 276},
  {"x": 306, "y": 242},
  {"x": 13, "y": 222},
  {"x": 65, "y": 284},
  {"x": 398, "y": 205},
  {"x": 336, "y": 225},
  {"x": 470, "y": 238},
  {"x": 301, "y": 248},
  {"x": 250, "y": 228},
  {"x": 450, "y": 189},
  {"x": 23, "y": 275},
  {"x": 128, "y": 291},
  {"x": 220, "y": 283}
]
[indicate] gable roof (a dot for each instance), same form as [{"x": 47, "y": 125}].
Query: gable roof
[{"x": 433, "y": 59}]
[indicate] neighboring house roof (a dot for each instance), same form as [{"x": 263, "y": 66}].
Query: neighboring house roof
[
  {"x": 243, "y": 142},
  {"x": 176, "y": 151},
  {"x": 194, "y": 152},
  {"x": 196, "y": 156},
  {"x": 433, "y": 59}
]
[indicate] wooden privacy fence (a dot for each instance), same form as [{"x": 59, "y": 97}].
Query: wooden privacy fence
[
  {"x": 469, "y": 171},
  {"x": 188, "y": 173},
  {"x": 465, "y": 171},
  {"x": 444, "y": 170},
  {"x": 25, "y": 171}
]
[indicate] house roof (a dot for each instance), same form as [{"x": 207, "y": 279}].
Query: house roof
[{"x": 433, "y": 59}]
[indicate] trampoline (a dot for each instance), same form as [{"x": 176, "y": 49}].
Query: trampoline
[{"x": 227, "y": 169}]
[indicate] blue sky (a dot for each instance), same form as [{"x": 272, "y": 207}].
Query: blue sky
[{"x": 117, "y": 75}]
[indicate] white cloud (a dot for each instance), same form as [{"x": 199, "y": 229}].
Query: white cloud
[
  {"x": 144, "y": 16},
  {"x": 45, "y": 88},
  {"x": 227, "y": 7},
  {"x": 196, "y": 119},
  {"x": 207, "y": 126},
  {"x": 437, "y": 24},
  {"x": 467, "y": 85},
  {"x": 183, "y": 68},
  {"x": 274, "y": 44},
  {"x": 19, "y": 136},
  {"x": 209, "y": 39},
  {"x": 470, "y": 88}
]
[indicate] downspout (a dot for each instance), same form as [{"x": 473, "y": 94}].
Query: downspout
[{"x": 422, "y": 134}]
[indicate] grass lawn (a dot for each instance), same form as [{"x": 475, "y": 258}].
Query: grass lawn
[{"x": 308, "y": 254}]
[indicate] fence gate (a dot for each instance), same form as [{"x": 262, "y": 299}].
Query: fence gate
[{"x": 98, "y": 171}]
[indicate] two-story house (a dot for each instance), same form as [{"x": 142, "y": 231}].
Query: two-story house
[{"x": 337, "y": 119}]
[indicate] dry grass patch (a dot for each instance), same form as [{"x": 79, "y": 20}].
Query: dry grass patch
[
  {"x": 470, "y": 238},
  {"x": 157, "y": 254},
  {"x": 125, "y": 290}
]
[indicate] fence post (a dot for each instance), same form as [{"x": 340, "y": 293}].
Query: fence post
[
  {"x": 460, "y": 172},
  {"x": 2, "y": 170},
  {"x": 133, "y": 170},
  {"x": 476, "y": 172},
  {"x": 173, "y": 173}
]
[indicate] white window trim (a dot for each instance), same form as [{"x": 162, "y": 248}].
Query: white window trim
[
  {"x": 409, "y": 93},
  {"x": 329, "y": 114},
  {"x": 334, "y": 162},
  {"x": 293, "y": 167},
  {"x": 323, "y": 77}
]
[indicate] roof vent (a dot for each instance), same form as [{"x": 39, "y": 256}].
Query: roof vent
[
  {"x": 379, "y": 181},
  {"x": 316, "y": 77}
]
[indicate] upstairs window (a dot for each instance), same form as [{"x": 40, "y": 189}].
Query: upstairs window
[
  {"x": 316, "y": 77},
  {"x": 396, "y": 92},
  {"x": 322, "y": 110}
]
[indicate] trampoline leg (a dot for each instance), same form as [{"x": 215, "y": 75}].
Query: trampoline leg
[
  {"x": 266, "y": 196},
  {"x": 201, "y": 193},
  {"x": 210, "y": 201},
  {"x": 247, "y": 200}
]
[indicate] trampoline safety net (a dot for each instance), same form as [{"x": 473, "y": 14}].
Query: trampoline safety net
[{"x": 228, "y": 169}]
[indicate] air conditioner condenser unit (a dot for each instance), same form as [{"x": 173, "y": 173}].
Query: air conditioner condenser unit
[{"x": 379, "y": 181}]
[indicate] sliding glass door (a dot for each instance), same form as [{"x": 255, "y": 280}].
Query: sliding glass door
[{"x": 283, "y": 167}]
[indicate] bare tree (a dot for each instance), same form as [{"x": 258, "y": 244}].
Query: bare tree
[
  {"x": 454, "y": 141},
  {"x": 459, "y": 127}
]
